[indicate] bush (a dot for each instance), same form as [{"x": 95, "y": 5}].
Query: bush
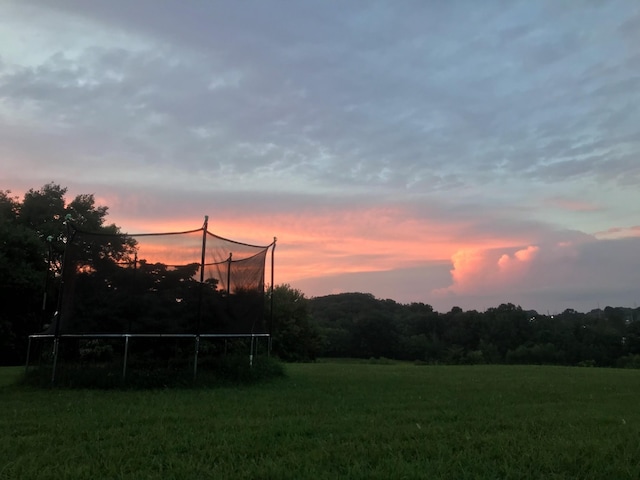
[
  {"x": 381, "y": 361},
  {"x": 474, "y": 357},
  {"x": 587, "y": 363},
  {"x": 629, "y": 361},
  {"x": 95, "y": 351},
  {"x": 538, "y": 354},
  {"x": 224, "y": 370}
]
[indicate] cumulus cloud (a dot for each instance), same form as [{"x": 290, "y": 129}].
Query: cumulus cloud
[
  {"x": 551, "y": 276},
  {"x": 488, "y": 270}
]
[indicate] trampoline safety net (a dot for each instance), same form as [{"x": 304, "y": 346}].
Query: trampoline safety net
[{"x": 191, "y": 282}]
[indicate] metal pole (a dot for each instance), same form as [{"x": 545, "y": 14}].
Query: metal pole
[
  {"x": 229, "y": 274},
  {"x": 203, "y": 258},
  {"x": 251, "y": 352},
  {"x": 195, "y": 357},
  {"x": 63, "y": 269},
  {"x": 46, "y": 280},
  {"x": 133, "y": 286},
  {"x": 55, "y": 360},
  {"x": 126, "y": 356},
  {"x": 26, "y": 365},
  {"x": 273, "y": 248},
  {"x": 69, "y": 239}
]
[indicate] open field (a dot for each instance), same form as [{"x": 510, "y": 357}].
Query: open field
[{"x": 335, "y": 420}]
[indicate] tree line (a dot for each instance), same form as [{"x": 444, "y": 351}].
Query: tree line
[{"x": 359, "y": 325}]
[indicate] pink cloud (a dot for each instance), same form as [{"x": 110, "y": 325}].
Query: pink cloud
[
  {"x": 527, "y": 254},
  {"x": 317, "y": 244},
  {"x": 482, "y": 270}
]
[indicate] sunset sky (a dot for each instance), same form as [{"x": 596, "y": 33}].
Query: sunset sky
[{"x": 465, "y": 153}]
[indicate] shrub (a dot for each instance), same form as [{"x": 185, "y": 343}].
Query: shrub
[
  {"x": 629, "y": 361},
  {"x": 224, "y": 370}
]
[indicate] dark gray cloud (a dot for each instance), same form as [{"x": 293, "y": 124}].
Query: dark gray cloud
[{"x": 389, "y": 92}]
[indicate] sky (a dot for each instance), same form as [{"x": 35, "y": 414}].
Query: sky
[{"x": 456, "y": 153}]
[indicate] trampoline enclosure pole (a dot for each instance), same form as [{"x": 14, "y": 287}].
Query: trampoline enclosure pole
[
  {"x": 203, "y": 259},
  {"x": 251, "y": 352},
  {"x": 26, "y": 364},
  {"x": 55, "y": 360},
  {"x": 273, "y": 248},
  {"x": 126, "y": 356},
  {"x": 63, "y": 269},
  {"x": 195, "y": 357}
]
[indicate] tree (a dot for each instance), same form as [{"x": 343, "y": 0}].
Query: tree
[
  {"x": 508, "y": 327},
  {"x": 293, "y": 335},
  {"x": 22, "y": 273},
  {"x": 32, "y": 239},
  {"x": 375, "y": 335}
]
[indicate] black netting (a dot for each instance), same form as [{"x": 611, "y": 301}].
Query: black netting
[{"x": 155, "y": 283}]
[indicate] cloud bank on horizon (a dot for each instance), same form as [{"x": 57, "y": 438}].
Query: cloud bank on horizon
[{"x": 452, "y": 153}]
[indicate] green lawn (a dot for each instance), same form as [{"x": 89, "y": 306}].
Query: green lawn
[{"x": 334, "y": 420}]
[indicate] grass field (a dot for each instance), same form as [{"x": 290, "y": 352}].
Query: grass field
[{"x": 334, "y": 420}]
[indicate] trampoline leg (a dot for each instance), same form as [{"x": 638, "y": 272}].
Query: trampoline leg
[
  {"x": 26, "y": 364},
  {"x": 195, "y": 357},
  {"x": 251, "y": 352},
  {"x": 55, "y": 361},
  {"x": 126, "y": 356}
]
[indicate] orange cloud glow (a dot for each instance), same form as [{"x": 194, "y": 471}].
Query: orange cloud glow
[
  {"x": 356, "y": 241},
  {"x": 327, "y": 242},
  {"x": 480, "y": 270}
]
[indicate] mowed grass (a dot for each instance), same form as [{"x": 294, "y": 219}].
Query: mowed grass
[{"x": 334, "y": 420}]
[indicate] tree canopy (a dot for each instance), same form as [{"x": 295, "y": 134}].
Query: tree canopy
[
  {"x": 359, "y": 325},
  {"x": 32, "y": 233}
]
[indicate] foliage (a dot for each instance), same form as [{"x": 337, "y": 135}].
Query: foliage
[
  {"x": 629, "y": 361},
  {"x": 232, "y": 369},
  {"x": 33, "y": 233},
  {"x": 295, "y": 338},
  {"x": 359, "y": 325}
]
